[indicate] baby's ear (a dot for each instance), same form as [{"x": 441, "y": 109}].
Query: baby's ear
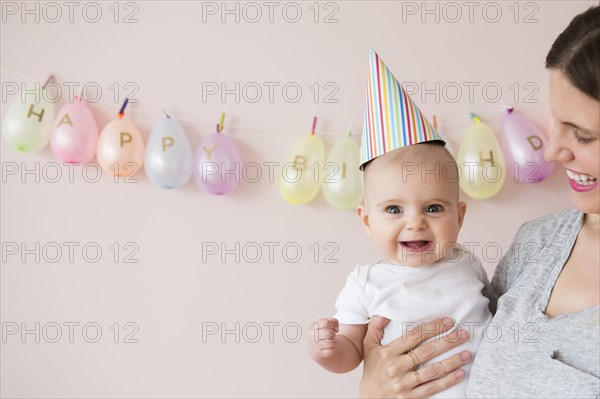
[
  {"x": 363, "y": 216},
  {"x": 462, "y": 209}
]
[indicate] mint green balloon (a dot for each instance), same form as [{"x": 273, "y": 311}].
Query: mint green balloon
[
  {"x": 28, "y": 123},
  {"x": 342, "y": 180}
]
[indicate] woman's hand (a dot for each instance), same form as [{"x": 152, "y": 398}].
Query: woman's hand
[{"x": 389, "y": 370}]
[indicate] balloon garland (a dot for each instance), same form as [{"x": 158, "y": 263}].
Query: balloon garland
[{"x": 169, "y": 160}]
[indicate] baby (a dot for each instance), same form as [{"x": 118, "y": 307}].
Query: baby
[{"x": 412, "y": 213}]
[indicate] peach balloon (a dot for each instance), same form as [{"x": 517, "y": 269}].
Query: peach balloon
[{"x": 120, "y": 148}]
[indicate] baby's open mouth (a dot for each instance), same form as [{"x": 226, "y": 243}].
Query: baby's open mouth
[{"x": 416, "y": 246}]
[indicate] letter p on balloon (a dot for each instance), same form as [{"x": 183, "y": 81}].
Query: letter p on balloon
[
  {"x": 167, "y": 142},
  {"x": 125, "y": 138}
]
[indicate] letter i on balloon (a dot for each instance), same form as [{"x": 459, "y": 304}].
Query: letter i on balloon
[
  {"x": 168, "y": 157},
  {"x": 301, "y": 176},
  {"x": 342, "y": 181},
  {"x": 75, "y": 134},
  {"x": 28, "y": 124},
  {"x": 217, "y": 163},
  {"x": 121, "y": 146},
  {"x": 523, "y": 145},
  {"x": 481, "y": 162}
]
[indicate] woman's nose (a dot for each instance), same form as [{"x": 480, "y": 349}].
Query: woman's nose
[{"x": 557, "y": 149}]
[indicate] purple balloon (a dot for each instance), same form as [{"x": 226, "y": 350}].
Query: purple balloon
[
  {"x": 217, "y": 164},
  {"x": 523, "y": 145}
]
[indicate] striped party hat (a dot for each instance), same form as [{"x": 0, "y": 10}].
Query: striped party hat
[{"x": 392, "y": 120}]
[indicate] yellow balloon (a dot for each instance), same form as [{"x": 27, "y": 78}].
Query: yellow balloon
[
  {"x": 301, "y": 176},
  {"x": 342, "y": 182},
  {"x": 120, "y": 149},
  {"x": 481, "y": 162}
]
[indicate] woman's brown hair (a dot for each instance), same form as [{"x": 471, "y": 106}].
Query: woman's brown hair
[{"x": 576, "y": 52}]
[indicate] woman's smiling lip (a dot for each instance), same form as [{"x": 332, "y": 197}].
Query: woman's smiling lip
[
  {"x": 579, "y": 173},
  {"x": 578, "y": 184}
]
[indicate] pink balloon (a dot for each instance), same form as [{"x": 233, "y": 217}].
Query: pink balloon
[
  {"x": 524, "y": 145},
  {"x": 75, "y": 134},
  {"x": 217, "y": 164}
]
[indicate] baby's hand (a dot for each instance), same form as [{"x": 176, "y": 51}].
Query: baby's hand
[{"x": 323, "y": 339}]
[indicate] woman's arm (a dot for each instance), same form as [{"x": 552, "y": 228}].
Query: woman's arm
[{"x": 388, "y": 371}]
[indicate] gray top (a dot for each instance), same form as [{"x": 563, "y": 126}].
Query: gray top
[{"x": 524, "y": 353}]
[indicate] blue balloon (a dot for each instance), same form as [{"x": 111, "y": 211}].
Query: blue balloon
[{"x": 169, "y": 155}]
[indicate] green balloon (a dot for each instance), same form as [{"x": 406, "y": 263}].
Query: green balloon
[
  {"x": 28, "y": 123},
  {"x": 342, "y": 181}
]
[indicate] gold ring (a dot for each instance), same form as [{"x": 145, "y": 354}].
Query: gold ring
[
  {"x": 413, "y": 359},
  {"x": 416, "y": 373}
]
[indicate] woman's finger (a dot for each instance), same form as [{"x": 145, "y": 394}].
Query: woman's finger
[
  {"x": 430, "y": 388},
  {"x": 439, "y": 369},
  {"x": 420, "y": 333},
  {"x": 433, "y": 348}
]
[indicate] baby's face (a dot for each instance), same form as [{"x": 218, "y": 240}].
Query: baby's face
[{"x": 413, "y": 217}]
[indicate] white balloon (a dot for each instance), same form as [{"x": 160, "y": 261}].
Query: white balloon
[{"x": 169, "y": 155}]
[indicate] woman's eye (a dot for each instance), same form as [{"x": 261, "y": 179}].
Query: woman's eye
[
  {"x": 393, "y": 209},
  {"x": 434, "y": 208},
  {"x": 582, "y": 139}
]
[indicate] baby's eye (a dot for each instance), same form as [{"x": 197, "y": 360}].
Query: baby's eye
[
  {"x": 434, "y": 208},
  {"x": 393, "y": 209}
]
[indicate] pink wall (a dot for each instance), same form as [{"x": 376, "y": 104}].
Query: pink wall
[{"x": 172, "y": 294}]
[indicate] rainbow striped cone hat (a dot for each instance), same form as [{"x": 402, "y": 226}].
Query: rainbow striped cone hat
[{"x": 392, "y": 119}]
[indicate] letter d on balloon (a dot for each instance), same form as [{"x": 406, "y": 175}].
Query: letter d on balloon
[
  {"x": 167, "y": 142},
  {"x": 536, "y": 142}
]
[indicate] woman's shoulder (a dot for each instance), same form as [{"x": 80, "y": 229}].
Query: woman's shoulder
[
  {"x": 549, "y": 226},
  {"x": 536, "y": 246}
]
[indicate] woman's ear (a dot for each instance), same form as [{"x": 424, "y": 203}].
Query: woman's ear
[
  {"x": 363, "y": 216},
  {"x": 462, "y": 209}
]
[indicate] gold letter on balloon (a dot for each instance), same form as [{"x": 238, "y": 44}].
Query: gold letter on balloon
[
  {"x": 40, "y": 115},
  {"x": 123, "y": 136},
  {"x": 482, "y": 160},
  {"x": 535, "y": 146},
  {"x": 208, "y": 151},
  {"x": 65, "y": 120},
  {"x": 167, "y": 142},
  {"x": 300, "y": 161}
]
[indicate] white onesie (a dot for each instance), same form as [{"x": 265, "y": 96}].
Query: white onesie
[{"x": 409, "y": 296}]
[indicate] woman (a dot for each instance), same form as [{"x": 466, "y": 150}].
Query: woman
[{"x": 545, "y": 293}]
